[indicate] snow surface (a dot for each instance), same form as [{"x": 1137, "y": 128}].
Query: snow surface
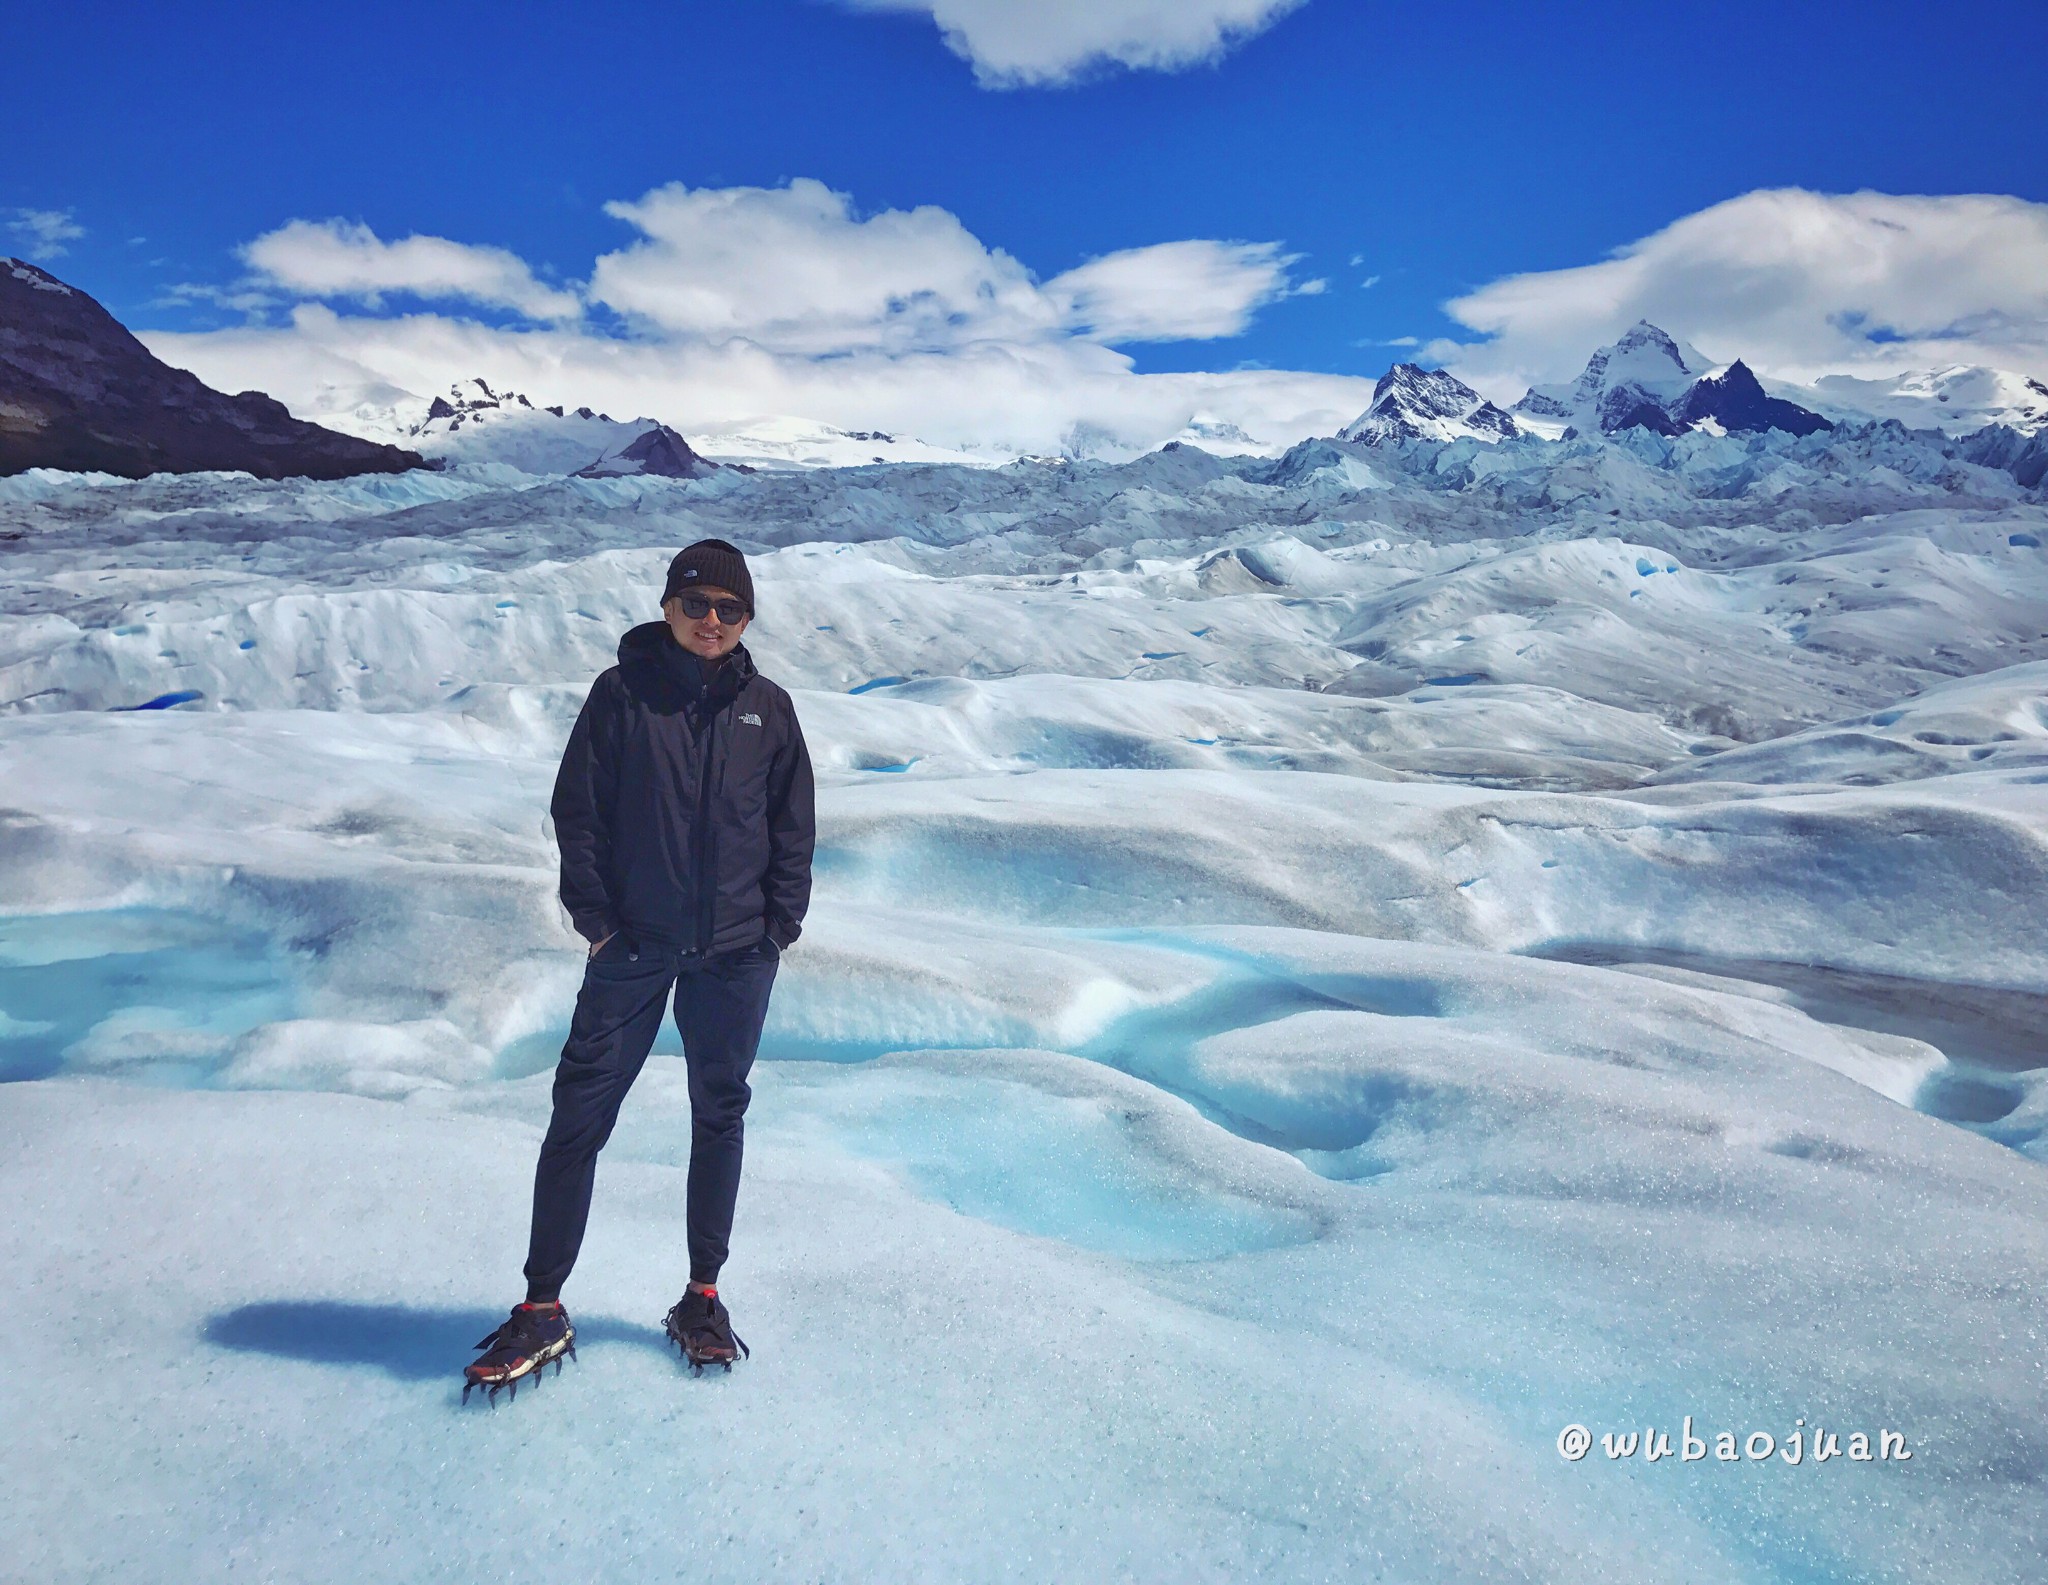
[{"x": 1325, "y": 971}]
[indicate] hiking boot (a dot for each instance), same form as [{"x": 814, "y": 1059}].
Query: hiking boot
[
  {"x": 532, "y": 1336},
  {"x": 699, "y": 1326}
]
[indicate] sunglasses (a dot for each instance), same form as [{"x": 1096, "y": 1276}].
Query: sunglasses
[{"x": 697, "y": 606}]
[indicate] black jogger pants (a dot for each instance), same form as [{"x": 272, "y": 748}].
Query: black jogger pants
[{"x": 720, "y": 1004}]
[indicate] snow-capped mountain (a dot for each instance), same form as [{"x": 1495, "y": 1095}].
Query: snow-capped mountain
[
  {"x": 1631, "y": 383},
  {"x": 1958, "y": 399},
  {"x": 1649, "y": 380},
  {"x": 471, "y": 399},
  {"x": 1220, "y": 437},
  {"x": 473, "y": 423},
  {"x": 659, "y": 452},
  {"x": 1414, "y": 403}
]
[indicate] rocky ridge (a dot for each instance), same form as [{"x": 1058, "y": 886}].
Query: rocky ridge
[{"x": 80, "y": 394}]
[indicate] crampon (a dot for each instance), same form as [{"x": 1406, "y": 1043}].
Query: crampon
[
  {"x": 519, "y": 1349},
  {"x": 699, "y": 1326}
]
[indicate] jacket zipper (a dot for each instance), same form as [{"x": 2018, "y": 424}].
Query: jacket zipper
[{"x": 707, "y": 879}]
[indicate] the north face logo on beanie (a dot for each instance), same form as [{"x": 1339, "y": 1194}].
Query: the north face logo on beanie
[{"x": 710, "y": 562}]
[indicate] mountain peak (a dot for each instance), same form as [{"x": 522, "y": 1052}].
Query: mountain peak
[
  {"x": 1645, "y": 368},
  {"x": 1410, "y": 402},
  {"x": 1735, "y": 402},
  {"x": 40, "y": 280},
  {"x": 1643, "y": 333},
  {"x": 657, "y": 451},
  {"x": 1640, "y": 383}
]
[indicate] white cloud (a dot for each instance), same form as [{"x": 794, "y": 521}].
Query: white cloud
[
  {"x": 1048, "y": 42},
  {"x": 1173, "y": 291},
  {"x": 794, "y": 268},
  {"x": 242, "y": 299},
  {"x": 748, "y": 302},
  {"x": 334, "y": 258},
  {"x": 46, "y": 230},
  {"x": 1026, "y": 394},
  {"x": 1798, "y": 284}
]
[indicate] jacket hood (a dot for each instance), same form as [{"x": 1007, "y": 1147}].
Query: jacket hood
[
  {"x": 652, "y": 644},
  {"x": 670, "y": 678}
]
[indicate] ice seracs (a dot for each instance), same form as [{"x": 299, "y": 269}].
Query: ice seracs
[{"x": 1414, "y": 403}]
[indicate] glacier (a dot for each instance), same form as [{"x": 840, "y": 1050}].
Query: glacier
[{"x": 1328, "y": 969}]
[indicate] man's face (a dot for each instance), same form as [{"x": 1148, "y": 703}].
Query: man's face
[{"x": 704, "y": 636}]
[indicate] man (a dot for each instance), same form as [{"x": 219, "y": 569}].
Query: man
[{"x": 684, "y": 814}]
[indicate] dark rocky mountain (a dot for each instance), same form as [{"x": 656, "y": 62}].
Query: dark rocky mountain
[
  {"x": 78, "y": 392},
  {"x": 659, "y": 451},
  {"x": 1414, "y": 403},
  {"x": 1734, "y": 400},
  {"x": 1632, "y": 407}
]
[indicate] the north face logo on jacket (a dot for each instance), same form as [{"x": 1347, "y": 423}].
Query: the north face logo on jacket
[{"x": 750, "y": 719}]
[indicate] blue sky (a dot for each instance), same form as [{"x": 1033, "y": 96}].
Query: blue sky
[{"x": 1442, "y": 148}]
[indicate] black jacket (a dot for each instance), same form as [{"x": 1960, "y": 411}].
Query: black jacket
[{"x": 684, "y": 806}]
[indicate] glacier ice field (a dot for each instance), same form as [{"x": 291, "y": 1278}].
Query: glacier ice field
[{"x": 1326, "y": 972}]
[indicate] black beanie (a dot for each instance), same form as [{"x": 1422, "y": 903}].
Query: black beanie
[{"x": 714, "y": 562}]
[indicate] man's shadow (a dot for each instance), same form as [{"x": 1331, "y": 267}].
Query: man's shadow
[{"x": 410, "y": 1344}]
